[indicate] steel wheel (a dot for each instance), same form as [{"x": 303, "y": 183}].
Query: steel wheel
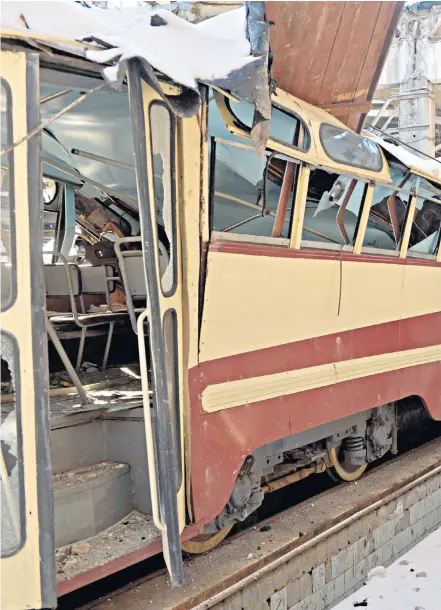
[
  {"x": 341, "y": 470},
  {"x": 205, "y": 542}
]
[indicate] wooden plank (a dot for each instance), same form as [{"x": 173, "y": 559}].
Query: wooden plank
[
  {"x": 328, "y": 52},
  {"x": 272, "y": 10},
  {"x": 341, "y": 61},
  {"x": 347, "y": 82},
  {"x": 284, "y": 38},
  {"x": 343, "y": 109},
  {"x": 319, "y": 35},
  {"x": 319, "y": 65}
]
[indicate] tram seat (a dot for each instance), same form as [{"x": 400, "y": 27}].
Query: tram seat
[
  {"x": 69, "y": 280},
  {"x": 131, "y": 266}
]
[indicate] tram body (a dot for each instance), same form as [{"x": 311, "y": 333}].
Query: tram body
[{"x": 294, "y": 299}]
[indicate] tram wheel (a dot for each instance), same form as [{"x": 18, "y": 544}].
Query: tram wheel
[
  {"x": 340, "y": 469},
  {"x": 205, "y": 542}
]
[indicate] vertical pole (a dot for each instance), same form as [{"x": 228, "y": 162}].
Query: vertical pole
[
  {"x": 299, "y": 207},
  {"x": 408, "y": 226},
  {"x": 107, "y": 349},
  {"x": 67, "y": 363},
  {"x": 358, "y": 245}
]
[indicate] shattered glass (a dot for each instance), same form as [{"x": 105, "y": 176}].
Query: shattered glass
[
  {"x": 345, "y": 146},
  {"x": 10, "y": 462},
  {"x": 161, "y": 141},
  {"x": 6, "y": 202}
]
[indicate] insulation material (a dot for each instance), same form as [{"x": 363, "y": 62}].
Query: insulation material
[
  {"x": 183, "y": 51},
  {"x": 428, "y": 166}
]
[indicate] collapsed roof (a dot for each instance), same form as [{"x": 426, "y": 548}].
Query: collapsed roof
[{"x": 229, "y": 50}]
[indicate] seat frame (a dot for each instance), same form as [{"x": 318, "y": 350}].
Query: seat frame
[{"x": 83, "y": 320}]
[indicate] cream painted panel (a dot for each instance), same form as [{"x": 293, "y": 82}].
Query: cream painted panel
[
  {"x": 253, "y": 302},
  {"x": 372, "y": 293},
  {"x": 422, "y": 290}
]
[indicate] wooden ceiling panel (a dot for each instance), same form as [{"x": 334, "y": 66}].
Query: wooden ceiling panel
[{"x": 331, "y": 53}]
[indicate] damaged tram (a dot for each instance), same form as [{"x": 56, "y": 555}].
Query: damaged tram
[{"x": 219, "y": 322}]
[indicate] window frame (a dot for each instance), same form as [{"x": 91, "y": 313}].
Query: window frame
[
  {"x": 402, "y": 250},
  {"x": 11, "y": 178},
  {"x": 241, "y": 125},
  {"x": 422, "y": 255},
  {"x": 333, "y": 246},
  {"x": 20, "y": 462},
  {"x": 248, "y": 237},
  {"x": 173, "y": 201}
]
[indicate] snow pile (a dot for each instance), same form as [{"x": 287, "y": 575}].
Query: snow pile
[
  {"x": 410, "y": 583},
  {"x": 183, "y": 51}
]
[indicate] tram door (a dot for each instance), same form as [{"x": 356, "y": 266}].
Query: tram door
[
  {"x": 27, "y": 526},
  {"x": 160, "y": 326}
]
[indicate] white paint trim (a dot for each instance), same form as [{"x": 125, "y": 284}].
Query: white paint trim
[{"x": 246, "y": 391}]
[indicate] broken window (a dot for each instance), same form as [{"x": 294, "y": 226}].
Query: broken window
[
  {"x": 163, "y": 147},
  {"x": 345, "y": 146},
  {"x": 245, "y": 187},
  {"x": 7, "y": 255},
  {"x": 285, "y": 127},
  {"x": 237, "y": 199},
  {"x": 426, "y": 225},
  {"x": 389, "y": 210},
  {"x": 11, "y": 465},
  {"x": 333, "y": 204},
  {"x": 247, "y": 192}
]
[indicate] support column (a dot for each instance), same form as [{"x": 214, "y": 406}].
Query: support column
[{"x": 417, "y": 93}]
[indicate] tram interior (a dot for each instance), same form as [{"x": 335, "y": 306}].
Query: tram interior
[{"x": 95, "y": 289}]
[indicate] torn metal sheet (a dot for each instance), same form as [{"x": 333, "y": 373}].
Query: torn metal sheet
[{"x": 230, "y": 49}]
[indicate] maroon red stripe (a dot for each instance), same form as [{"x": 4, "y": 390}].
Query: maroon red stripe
[{"x": 285, "y": 252}]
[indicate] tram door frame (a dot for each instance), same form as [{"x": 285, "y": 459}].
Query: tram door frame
[
  {"x": 28, "y": 577},
  {"x": 160, "y": 326}
]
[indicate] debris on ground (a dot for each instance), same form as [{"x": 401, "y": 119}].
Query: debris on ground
[
  {"x": 89, "y": 367},
  {"x": 377, "y": 571}
]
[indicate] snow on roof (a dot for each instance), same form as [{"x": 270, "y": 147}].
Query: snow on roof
[
  {"x": 428, "y": 166},
  {"x": 183, "y": 51}
]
